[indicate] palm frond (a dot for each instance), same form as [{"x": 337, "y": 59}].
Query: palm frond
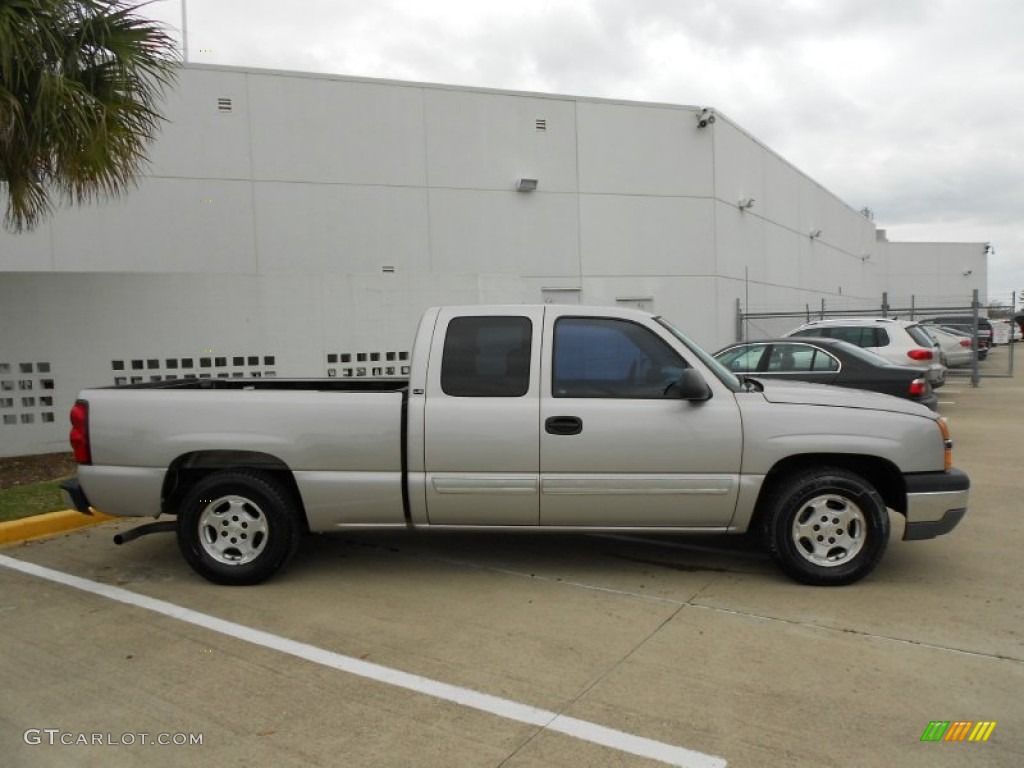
[{"x": 80, "y": 89}]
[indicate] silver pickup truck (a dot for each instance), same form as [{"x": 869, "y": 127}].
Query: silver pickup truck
[{"x": 520, "y": 418}]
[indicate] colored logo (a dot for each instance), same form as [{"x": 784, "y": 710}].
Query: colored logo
[{"x": 958, "y": 730}]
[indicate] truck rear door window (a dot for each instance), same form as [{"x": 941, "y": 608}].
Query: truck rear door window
[
  {"x": 599, "y": 357},
  {"x": 487, "y": 357}
]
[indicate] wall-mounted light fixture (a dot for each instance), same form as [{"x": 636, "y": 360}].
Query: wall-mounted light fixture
[
  {"x": 705, "y": 117},
  {"x": 989, "y": 250},
  {"x": 814, "y": 234},
  {"x": 864, "y": 256},
  {"x": 526, "y": 185},
  {"x": 968, "y": 272},
  {"x": 745, "y": 203}
]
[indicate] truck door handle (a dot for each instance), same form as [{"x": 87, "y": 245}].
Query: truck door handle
[{"x": 563, "y": 425}]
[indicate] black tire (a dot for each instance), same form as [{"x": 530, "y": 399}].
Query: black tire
[
  {"x": 237, "y": 527},
  {"x": 826, "y": 527}
]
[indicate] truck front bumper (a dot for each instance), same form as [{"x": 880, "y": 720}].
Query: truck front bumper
[
  {"x": 75, "y": 496},
  {"x": 936, "y": 502}
]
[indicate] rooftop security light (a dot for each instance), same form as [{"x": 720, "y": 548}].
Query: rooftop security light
[{"x": 705, "y": 117}]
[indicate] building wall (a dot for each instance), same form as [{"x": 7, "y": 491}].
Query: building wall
[
  {"x": 301, "y": 230},
  {"x": 936, "y": 273}
]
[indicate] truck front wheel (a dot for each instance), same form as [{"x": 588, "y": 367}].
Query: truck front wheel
[
  {"x": 826, "y": 527},
  {"x": 237, "y": 527}
]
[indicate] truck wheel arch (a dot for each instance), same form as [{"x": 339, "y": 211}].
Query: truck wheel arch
[
  {"x": 881, "y": 473},
  {"x": 190, "y": 468}
]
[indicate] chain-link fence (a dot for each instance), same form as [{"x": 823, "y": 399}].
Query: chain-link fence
[{"x": 994, "y": 326}]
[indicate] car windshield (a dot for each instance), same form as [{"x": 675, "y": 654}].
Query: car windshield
[
  {"x": 920, "y": 335},
  {"x": 728, "y": 377}
]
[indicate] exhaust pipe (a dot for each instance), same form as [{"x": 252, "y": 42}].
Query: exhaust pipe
[{"x": 164, "y": 526}]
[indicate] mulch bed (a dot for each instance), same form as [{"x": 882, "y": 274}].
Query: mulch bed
[{"x": 25, "y": 470}]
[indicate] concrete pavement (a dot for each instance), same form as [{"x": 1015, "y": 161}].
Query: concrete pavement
[{"x": 695, "y": 643}]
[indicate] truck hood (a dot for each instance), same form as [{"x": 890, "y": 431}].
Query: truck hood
[{"x": 805, "y": 393}]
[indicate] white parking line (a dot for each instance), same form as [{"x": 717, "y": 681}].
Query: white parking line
[{"x": 506, "y": 708}]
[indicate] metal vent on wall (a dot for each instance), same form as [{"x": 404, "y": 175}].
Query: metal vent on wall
[
  {"x": 541, "y": 124},
  {"x": 561, "y": 295},
  {"x": 376, "y": 364},
  {"x": 211, "y": 366},
  {"x": 35, "y": 386},
  {"x": 645, "y": 303},
  {"x": 224, "y": 104}
]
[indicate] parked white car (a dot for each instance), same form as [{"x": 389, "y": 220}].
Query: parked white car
[
  {"x": 1004, "y": 332},
  {"x": 900, "y": 341}
]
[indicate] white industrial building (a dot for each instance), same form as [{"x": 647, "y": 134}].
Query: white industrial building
[{"x": 296, "y": 225}]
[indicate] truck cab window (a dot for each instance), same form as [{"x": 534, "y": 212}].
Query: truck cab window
[
  {"x": 487, "y": 357},
  {"x": 600, "y": 357}
]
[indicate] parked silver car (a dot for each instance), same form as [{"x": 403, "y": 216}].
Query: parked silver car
[
  {"x": 545, "y": 418},
  {"x": 956, "y": 346},
  {"x": 966, "y": 323}
]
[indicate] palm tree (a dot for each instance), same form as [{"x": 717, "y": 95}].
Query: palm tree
[{"x": 80, "y": 83}]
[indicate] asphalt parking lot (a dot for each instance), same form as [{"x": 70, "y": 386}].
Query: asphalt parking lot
[{"x": 374, "y": 649}]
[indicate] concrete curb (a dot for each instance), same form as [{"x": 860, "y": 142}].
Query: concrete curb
[{"x": 50, "y": 524}]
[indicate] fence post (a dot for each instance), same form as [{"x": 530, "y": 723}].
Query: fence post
[
  {"x": 975, "y": 376},
  {"x": 885, "y": 304},
  {"x": 913, "y": 302},
  {"x": 1013, "y": 321},
  {"x": 739, "y": 321},
  {"x": 822, "y": 308}
]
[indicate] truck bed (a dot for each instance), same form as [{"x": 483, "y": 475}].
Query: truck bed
[{"x": 341, "y": 440}]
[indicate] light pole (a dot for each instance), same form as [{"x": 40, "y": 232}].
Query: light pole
[{"x": 184, "y": 30}]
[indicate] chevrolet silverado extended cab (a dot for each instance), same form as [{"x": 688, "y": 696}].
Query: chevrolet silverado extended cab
[{"x": 524, "y": 418}]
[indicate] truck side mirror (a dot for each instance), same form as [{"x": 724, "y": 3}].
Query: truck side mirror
[{"x": 691, "y": 386}]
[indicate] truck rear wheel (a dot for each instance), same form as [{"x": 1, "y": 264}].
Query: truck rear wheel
[
  {"x": 237, "y": 527},
  {"x": 827, "y": 527}
]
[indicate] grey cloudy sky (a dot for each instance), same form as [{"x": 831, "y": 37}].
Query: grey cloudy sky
[{"x": 914, "y": 108}]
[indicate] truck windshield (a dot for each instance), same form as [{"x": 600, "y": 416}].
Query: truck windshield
[{"x": 723, "y": 373}]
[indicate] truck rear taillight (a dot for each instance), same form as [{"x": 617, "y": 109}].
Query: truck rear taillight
[
  {"x": 920, "y": 354},
  {"x": 965, "y": 342},
  {"x": 79, "y": 436},
  {"x": 919, "y": 388}
]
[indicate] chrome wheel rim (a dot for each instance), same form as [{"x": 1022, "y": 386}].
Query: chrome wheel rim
[
  {"x": 233, "y": 530},
  {"x": 829, "y": 530}
]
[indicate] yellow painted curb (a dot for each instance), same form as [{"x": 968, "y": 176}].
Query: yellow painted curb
[{"x": 50, "y": 524}]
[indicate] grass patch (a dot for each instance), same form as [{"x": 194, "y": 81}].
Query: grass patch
[{"x": 27, "y": 500}]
